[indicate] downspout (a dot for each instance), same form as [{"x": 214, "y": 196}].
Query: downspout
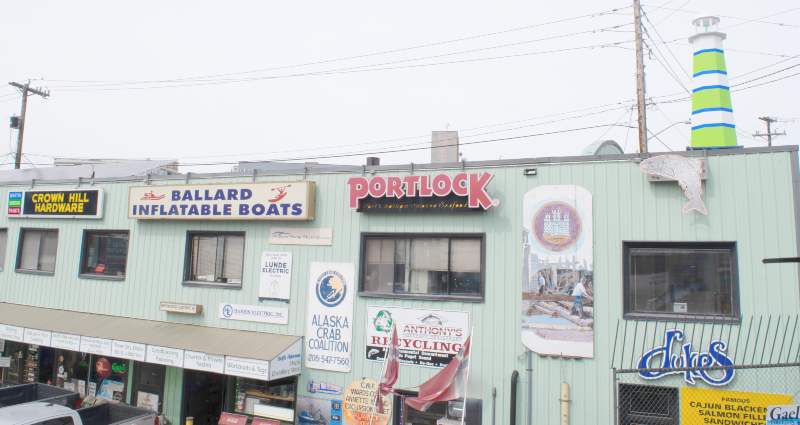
[
  {"x": 513, "y": 409},
  {"x": 530, "y": 387}
]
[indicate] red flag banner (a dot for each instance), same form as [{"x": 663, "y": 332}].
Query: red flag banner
[
  {"x": 391, "y": 372},
  {"x": 449, "y": 384}
]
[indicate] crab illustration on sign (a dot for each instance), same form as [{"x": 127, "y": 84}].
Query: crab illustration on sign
[{"x": 688, "y": 172}]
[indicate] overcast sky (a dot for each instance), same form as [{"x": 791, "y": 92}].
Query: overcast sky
[{"x": 99, "y": 58}]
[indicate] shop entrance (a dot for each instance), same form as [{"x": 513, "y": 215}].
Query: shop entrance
[{"x": 203, "y": 396}]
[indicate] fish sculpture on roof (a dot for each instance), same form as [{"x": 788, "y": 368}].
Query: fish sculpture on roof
[{"x": 688, "y": 172}]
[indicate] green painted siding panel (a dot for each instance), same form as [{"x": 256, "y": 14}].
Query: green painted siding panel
[{"x": 749, "y": 198}]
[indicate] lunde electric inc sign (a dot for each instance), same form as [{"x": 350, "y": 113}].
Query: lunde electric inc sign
[{"x": 439, "y": 192}]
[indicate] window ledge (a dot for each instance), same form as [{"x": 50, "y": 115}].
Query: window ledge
[
  {"x": 462, "y": 298},
  {"x": 200, "y": 284},
  {"x": 698, "y": 318},
  {"x": 37, "y": 272},
  {"x": 100, "y": 277}
]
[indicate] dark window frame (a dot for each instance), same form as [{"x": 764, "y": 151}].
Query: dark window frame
[
  {"x": 20, "y": 240},
  {"x": 187, "y": 259},
  {"x": 5, "y": 250},
  {"x": 627, "y": 391},
  {"x": 82, "y": 261},
  {"x": 433, "y": 297},
  {"x": 628, "y": 314}
]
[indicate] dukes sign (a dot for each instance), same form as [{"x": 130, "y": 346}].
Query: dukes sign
[
  {"x": 664, "y": 358},
  {"x": 462, "y": 191}
]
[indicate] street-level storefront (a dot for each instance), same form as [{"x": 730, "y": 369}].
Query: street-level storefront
[{"x": 256, "y": 378}]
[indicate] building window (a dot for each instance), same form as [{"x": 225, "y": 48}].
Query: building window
[
  {"x": 423, "y": 266},
  {"x": 3, "y": 243},
  {"x": 215, "y": 258},
  {"x": 692, "y": 279},
  {"x": 645, "y": 404},
  {"x": 37, "y": 250},
  {"x": 105, "y": 253}
]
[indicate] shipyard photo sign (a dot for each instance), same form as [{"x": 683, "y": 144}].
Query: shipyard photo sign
[
  {"x": 425, "y": 337},
  {"x": 237, "y": 201},
  {"x": 56, "y": 203}
]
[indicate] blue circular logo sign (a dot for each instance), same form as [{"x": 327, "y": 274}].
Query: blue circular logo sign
[
  {"x": 331, "y": 288},
  {"x": 227, "y": 310}
]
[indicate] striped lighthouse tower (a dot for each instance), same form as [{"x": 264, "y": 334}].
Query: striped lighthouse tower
[{"x": 712, "y": 111}]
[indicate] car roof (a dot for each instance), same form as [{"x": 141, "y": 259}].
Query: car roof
[{"x": 31, "y": 412}]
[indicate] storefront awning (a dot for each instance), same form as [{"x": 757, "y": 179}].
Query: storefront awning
[{"x": 256, "y": 355}]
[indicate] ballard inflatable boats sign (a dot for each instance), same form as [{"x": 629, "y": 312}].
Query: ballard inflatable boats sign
[
  {"x": 237, "y": 201},
  {"x": 420, "y": 193}
]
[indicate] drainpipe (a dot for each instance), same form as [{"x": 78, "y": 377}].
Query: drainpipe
[
  {"x": 564, "y": 403},
  {"x": 530, "y": 387},
  {"x": 513, "y": 409},
  {"x": 494, "y": 404}
]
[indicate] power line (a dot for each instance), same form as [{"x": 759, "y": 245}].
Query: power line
[
  {"x": 360, "y": 56},
  {"x": 349, "y": 71},
  {"x": 666, "y": 45},
  {"x": 394, "y": 62},
  {"x": 501, "y": 139},
  {"x": 745, "y": 20},
  {"x": 427, "y": 143}
]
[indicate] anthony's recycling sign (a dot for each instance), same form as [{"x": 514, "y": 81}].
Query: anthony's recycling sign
[{"x": 425, "y": 337}]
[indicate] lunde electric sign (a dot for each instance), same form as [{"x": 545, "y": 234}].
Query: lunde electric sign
[{"x": 471, "y": 186}]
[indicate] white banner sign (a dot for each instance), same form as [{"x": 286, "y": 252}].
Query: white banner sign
[
  {"x": 164, "y": 355},
  {"x": 247, "y": 368},
  {"x": 65, "y": 341},
  {"x": 5, "y": 361},
  {"x": 287, "y": 363},
  {"x": 128, "y": 350},
  {"x": 319, "y": 236},
  {"x": 237, "y": 201},
  {"x": 276, "y": 276},
  {"x": 204, "y": 362},
  {"x": 96, "y": 346},
  {"x": 254, "y": 313},
  {"x": 12, "y": 333},
  {"x": 37, "y": 337},
  {"x": 425, "y": 337},
  {"x": 329, "y": 316}
]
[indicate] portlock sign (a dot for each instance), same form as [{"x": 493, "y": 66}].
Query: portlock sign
[
  {"x": 56, "y": 203},
  {"x": 241, "y": 201},
  {"x": 440, "y": 192},
  {"x": 663, "y": 357}
]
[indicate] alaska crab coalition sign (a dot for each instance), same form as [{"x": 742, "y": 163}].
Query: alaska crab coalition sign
[
  {"x": 422, "y": 193},
  {"x": 329, "y": 316},
  {"x": 237, "y": 201}
]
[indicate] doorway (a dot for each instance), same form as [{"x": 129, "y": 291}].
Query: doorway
[
  {"x": 148, "y": 386},
  {"x": 203, "y": 396}
]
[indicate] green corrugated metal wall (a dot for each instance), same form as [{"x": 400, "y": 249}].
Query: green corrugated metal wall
[{"x": 749, "y": 198}]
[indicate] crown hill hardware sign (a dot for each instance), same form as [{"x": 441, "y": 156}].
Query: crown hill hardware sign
[
  {"x": 237, "y": 201},
  {"x": 56, "y": 203},
  {"x": 421, "y": 193}
]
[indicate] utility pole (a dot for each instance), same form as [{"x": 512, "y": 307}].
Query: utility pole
[
  {"x": 26, "y": 89},
  {"x": 768, "y": 135},
  {"x": 640, "y": 89}
]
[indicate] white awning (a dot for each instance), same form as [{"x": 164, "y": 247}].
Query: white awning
[{"x": 256, "y": 355}]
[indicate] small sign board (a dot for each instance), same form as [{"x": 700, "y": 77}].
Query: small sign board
[
  {"x": 56, "y": 203},
  {"x": 783, "y": 415},
  {"x": 180, "y": 308},
  {"x": 5, "y": 361}
]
